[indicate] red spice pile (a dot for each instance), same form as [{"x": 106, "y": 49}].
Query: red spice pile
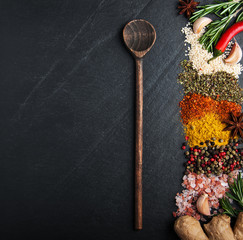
[
  {"x": 195, "y": 185},
  {"x": 195, "y": 106}
]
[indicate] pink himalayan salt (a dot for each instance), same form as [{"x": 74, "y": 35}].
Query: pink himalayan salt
[{"x": 195, "y": 185}]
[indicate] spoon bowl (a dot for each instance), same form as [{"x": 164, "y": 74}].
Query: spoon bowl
[{"x": 139, "y": 36}]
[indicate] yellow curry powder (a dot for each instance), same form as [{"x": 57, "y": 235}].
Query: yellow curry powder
[{"x": 209, "y": 126}]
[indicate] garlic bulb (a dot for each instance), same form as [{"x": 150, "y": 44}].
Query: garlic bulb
[{"x": 200, "y": 23}]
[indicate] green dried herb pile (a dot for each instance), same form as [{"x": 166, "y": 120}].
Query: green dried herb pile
[{"x": 219, "y": 86}]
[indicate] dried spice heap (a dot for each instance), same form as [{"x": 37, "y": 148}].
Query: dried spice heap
[
  {"x": 212, "y": 120},
  {"x": 214, "y": 159},
  {"x": 219, "y": 85},
  {"x": 208, "y": 102},
  {"x": 209, "y": 126},
  {"x": 195, "y": 106}
]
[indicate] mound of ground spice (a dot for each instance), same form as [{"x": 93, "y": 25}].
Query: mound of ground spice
[
  {"x": 218, "y": 85},
  {"x": 195, "y": 106},
  {"x": 195, "y": 185},
  {"x": 207, "y": 127}
]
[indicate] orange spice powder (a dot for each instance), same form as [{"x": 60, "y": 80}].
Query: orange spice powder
[{"x": 195, "y": 106}]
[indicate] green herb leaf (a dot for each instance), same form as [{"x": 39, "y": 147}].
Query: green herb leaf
[
  {"x": 229, "y": 210},
  {"x": 225, "y": 11},
  {"x": 236, "y": 194}
]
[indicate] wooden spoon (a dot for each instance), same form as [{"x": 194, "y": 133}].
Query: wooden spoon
[{"x": 139, "y": 36}]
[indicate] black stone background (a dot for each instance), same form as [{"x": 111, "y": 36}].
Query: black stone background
[{"x": 67, "y": 89}]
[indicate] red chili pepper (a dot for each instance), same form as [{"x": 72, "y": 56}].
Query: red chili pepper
[{"x": 225, "y": 39}]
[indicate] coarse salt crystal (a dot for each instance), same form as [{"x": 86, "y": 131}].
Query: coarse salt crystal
[{"x": 197, "y": 184}]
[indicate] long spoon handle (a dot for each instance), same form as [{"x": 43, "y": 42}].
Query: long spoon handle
[{"x": 139, "y": 145}]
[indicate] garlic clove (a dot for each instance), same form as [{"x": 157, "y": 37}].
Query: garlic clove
[
  {"x": 203, "y": 205},
  {"x": 235, "y": 54},
  {"x": 200, "y": 23}
]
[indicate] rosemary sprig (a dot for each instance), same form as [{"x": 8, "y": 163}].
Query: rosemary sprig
[
  {"x": 236, "y": 190},
  {"x": 214, "y": 31},
  {"x": 236, "y": 194},
  {"x": 228, "y": 209},
  {"x": 214, "y": 8},
  {"x": 225, "y": 11}
]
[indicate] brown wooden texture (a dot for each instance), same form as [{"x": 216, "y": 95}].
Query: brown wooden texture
[
  {"x": 139, "y": 36},
  {"x": 139, "y": 145}
]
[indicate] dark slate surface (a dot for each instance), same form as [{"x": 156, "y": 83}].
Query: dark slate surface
[{"x": 67, "y": 120}]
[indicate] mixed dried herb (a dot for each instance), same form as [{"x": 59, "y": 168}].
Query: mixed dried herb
[{"x": 219, "y": 86}]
